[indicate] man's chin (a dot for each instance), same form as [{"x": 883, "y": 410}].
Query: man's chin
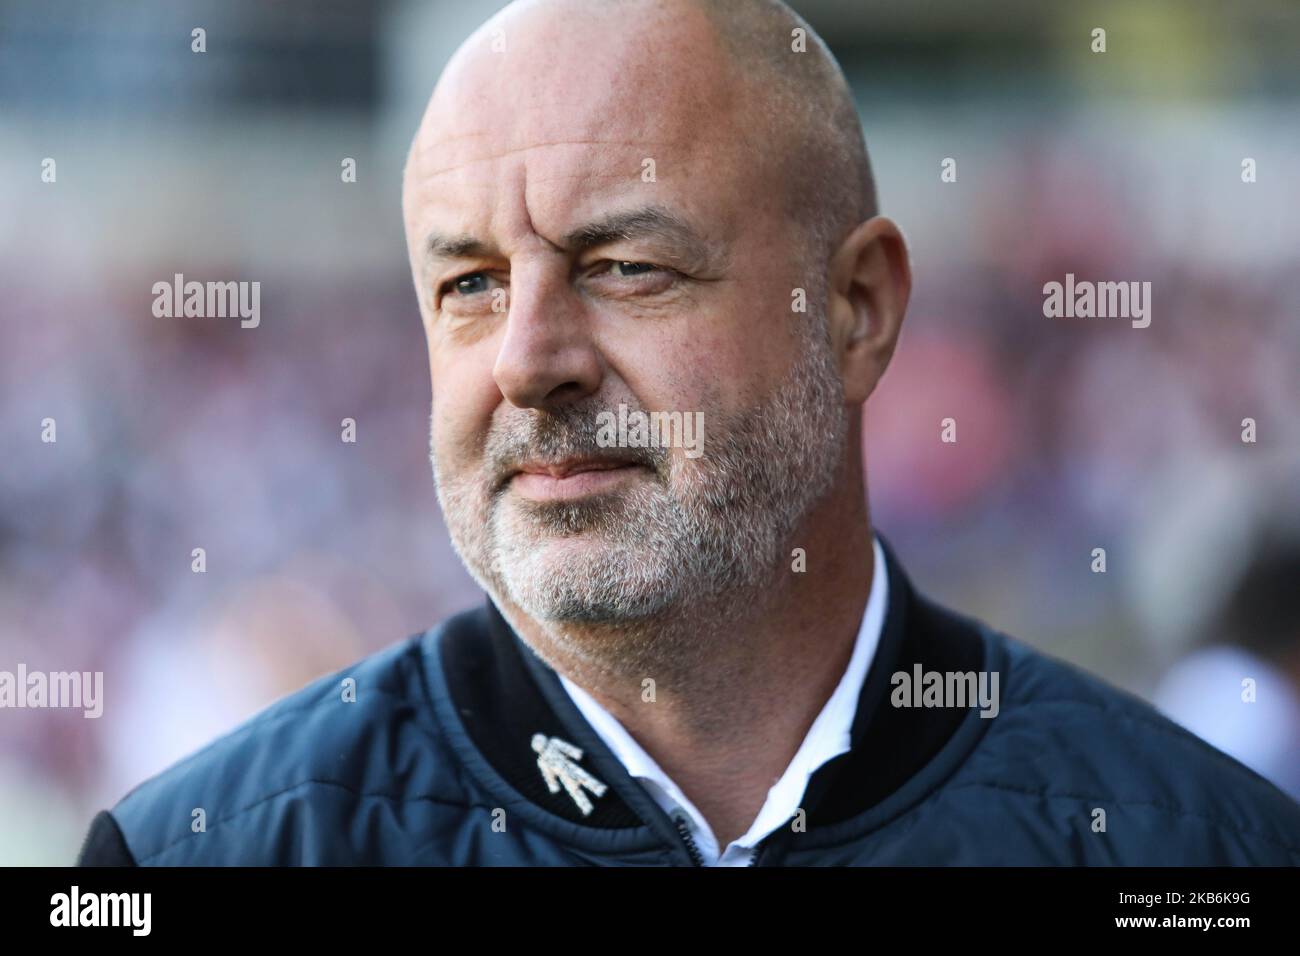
[
  {"x": 587, "y": 518},
  {"x": 582, "y": 578},
  {"x": 573, "y": 556}
]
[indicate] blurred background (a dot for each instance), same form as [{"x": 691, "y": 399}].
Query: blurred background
[{"x": 1073, "y": 434}]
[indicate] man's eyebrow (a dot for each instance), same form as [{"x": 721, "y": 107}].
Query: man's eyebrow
[
  {"x": 440, "y": 246},
  {"x": 647, "y": 222}
]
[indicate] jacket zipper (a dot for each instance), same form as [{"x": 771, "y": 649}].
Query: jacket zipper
[
  {"x": 694, "y": 851},
  {"x": 689, "y": 840}
]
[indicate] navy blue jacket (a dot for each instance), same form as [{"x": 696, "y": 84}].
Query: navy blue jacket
[{"x": 433, "y": 763}]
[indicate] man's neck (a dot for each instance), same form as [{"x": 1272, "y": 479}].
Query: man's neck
[{"x": 736, "y": 686}]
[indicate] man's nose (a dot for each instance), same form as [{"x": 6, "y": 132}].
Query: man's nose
[{"x": 548, "y": 356}]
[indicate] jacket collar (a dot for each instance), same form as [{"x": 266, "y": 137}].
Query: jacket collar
[{"x": 504, "y": 695}]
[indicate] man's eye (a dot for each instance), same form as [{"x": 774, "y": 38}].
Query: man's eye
[
  {"x": 468, "y": 284},
  {"x": 628, "y": 269}
]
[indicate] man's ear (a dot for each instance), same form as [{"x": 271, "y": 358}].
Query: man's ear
[{"x": 870, "y": 282}]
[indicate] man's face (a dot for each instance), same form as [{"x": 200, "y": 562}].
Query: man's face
[{"x": 607, "y": 230}]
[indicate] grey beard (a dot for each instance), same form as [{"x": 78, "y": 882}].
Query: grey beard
[{"x": 682, "y": 553}]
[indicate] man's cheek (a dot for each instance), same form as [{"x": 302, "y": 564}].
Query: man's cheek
[
  {"x": 462, "y": 432},
  {"x": 447, "y": 434}
]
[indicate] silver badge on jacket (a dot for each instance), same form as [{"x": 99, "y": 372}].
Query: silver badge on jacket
[{"x": 557, "y": 762}]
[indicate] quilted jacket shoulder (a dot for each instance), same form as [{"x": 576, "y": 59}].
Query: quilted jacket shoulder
[
  {"x": 355, "y": 754},
  {"x": 1073, "y": 771}
]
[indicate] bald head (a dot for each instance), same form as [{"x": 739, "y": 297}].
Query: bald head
[
  {"x": 803, "y": 101},
  {"x": 753, "y": 70}
]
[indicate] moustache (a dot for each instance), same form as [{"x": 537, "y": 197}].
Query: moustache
[{"x": 553, "y": 436}]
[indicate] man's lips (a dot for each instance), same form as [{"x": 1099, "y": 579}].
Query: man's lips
[
  {"x": 572, "y": 466},
  {"x": 570, "y": 478}
]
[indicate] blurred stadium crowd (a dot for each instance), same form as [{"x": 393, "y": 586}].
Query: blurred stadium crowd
[{"x": 175, "y": 434}]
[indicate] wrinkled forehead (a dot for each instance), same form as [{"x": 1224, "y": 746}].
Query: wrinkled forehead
[{"x": 579, "y": 110}]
